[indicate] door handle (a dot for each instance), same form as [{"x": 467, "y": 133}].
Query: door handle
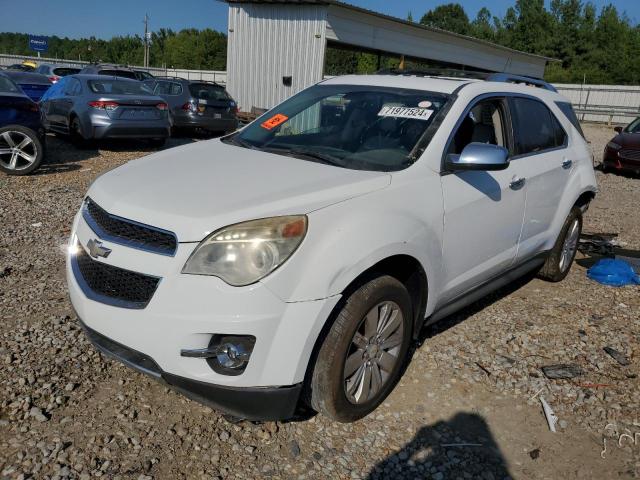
[
  {"x": 566, "y": 164},
  {"x": 517, "y": 183}
]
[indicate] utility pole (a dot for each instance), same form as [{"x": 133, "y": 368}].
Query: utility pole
[{"x": 146, "y": 40}]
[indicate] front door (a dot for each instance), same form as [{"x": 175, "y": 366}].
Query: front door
[{"x": 484, "y": 210}]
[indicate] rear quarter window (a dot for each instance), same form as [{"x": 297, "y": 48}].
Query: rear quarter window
[{"x": 567, "y": 109}]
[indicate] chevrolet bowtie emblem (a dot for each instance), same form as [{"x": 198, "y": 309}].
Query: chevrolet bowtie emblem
[{"x": 97, "y": 249}]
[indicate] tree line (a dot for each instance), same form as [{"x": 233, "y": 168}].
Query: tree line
[
  {"x": 189, "y": 48},
  {"x": 599, "y": 46}
]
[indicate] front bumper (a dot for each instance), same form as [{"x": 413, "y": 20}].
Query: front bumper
[
  {"x": 185, "y": 311},
  {"x": 277, "y": 403}
]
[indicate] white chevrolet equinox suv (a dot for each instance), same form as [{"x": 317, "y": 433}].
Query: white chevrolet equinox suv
[{"x": 287, "y": 268}]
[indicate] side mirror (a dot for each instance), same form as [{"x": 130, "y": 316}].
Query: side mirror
[
  {"x": 618, "y": 129},
  {"x": 479, "y": 156}
]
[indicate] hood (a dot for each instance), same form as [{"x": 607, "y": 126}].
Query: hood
[
  {"x": 198, "y": 188},
  {"x": 628, "y": 140}
]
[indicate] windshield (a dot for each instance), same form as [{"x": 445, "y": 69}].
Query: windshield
[
  {"x": 634, "y": 127},
  {"x": 356, "y": 127},
  {"x": 64, "y": 71},
  {"x": 119, "y": 87},
  {"x": 208, "y": 91},
  {"x": 7, "y": 86}
]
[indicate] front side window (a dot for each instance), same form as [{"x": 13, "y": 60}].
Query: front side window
[
  {"x": 356, "y": 127},
  {"x": 118, "y": 87},
  {"x": 536, "y": 129},
  {"x": 484, "y": 123}
]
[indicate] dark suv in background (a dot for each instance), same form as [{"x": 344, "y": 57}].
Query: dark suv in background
[
  {"x": 197, "y": 104},
  {"x": 110, "y": 69}
]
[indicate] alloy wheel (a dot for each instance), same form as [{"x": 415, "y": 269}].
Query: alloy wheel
[
  {"x": 570, "y": 245},
  {"x": 18, "y": 151},
  {"x": 374, "y": 352}
]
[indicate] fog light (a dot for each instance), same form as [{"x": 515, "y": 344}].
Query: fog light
[{"x": 232, "y": 353}]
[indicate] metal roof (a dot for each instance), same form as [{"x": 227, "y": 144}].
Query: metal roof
[{"x": 348, "y": 6}]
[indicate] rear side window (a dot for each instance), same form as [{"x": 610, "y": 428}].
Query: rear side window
[
  {"x": 568, "y": 111},
  {"x": 7, "y": 86},
  {"x": 119, "y": 73},
  {"x": 168, "y": 88},
  {"x": 64, "y": 71},
  {"x": 208, "y": 91},
  {"x": 535, "y": 128}
]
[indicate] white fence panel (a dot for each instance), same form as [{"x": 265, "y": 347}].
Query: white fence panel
[{"x": 603, "y": 103}]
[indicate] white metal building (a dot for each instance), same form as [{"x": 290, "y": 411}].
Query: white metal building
[{"x": 277, "y": 47}]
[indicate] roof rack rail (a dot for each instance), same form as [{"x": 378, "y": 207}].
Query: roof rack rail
[
  {"x": 510, "y": 78},
  {"x": 436, "y": 72}
]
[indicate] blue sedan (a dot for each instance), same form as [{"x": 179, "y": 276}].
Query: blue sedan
[{"x": 21, "y": 132}]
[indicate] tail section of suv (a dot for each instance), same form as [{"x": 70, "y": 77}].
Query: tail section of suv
[
  {"x": 375, "y": 205},
  {"x": 197, "y": 104}
]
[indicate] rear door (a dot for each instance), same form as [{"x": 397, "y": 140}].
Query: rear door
[
  {"x": 484, "y": 210},
  {"x": 170, "y": 91},
  {"x": 542, "y": 154},
  {"x": 212, "y": 101},
  {"x": 72, "y": 90}
]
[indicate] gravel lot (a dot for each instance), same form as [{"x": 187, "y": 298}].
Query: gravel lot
[{"x": 464, "y": 408}]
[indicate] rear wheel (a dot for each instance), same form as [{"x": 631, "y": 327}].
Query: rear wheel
[
  {"x": 361, "y": 358},
  {"x": 75, "y": 132},
  {"x": 21, "y": 151},
  {"x": 558, "y": 264}
]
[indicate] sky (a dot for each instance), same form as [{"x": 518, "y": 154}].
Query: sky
[{"x": 105, "y": 19}]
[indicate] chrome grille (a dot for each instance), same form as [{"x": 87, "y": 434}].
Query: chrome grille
[
  {"x": 128, "y": 232},
  {"x": 630, "y": 154},
  {"x": 112, "y": 285}
]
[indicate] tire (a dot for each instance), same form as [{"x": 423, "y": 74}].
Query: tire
[
  {"x": 75, "y": 133},
  {"x": 21, "y": 150},
  {"x": 330, "y": 379},
  {"x": 558, "y": 264}
]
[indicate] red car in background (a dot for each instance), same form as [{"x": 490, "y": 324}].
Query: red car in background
[{"x": 622, "y": 153}]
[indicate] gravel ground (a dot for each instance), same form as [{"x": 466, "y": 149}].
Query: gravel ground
[{"x": 467, "y": 407}]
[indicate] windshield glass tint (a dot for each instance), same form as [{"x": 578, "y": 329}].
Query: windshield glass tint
[
  {"x": 118, "y": 87},
  {"x": 118, "y": 73},
  {"x": 206, "y": 91},
  {"x": 7, "y": 85},
  {"x": 357, "y": 127},
  {"x": 64, "y": 71},
  {"x": 634, "y": 127}
]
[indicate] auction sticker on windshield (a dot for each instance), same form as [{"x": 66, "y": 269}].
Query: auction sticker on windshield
[
  {"x": 274, "y": 121},
  {"x": 406, "y": 112}
]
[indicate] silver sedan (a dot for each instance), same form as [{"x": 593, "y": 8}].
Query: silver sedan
[{"x": 97, "y": 106}]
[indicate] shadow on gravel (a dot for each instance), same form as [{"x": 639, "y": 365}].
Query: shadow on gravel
[
  {"x": 456, "y": 448},
  {"x": 63, "y": 156}
]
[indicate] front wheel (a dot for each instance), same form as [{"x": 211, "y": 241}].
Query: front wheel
[
  {"x": 362, "y": 356},
  {"x": 21, "y": 151},
  {"x": 558, "y": 264}
]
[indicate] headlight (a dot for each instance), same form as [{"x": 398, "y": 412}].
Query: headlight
[
  {"x": 613, "y": 146},
  {"x": 244, "y": 253}
]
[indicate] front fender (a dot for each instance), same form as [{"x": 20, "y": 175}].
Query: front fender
[{"x": 346, "y": 239}]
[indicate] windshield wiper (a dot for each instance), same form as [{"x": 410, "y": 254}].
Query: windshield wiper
[
  {"x": 305, "y": 152},
  {"x": 236, "y": 140}
]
